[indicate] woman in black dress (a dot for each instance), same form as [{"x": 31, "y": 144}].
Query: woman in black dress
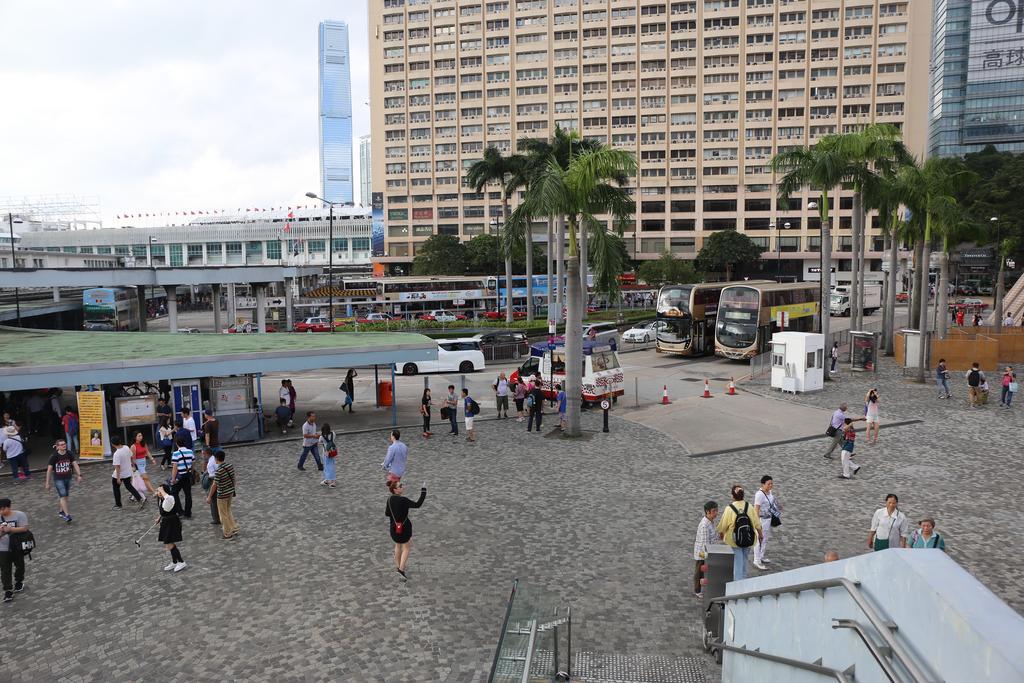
[
  {"x": 170, "y": 526},
  {"x": 397, "y": 511},
  {"x": 425, "y": 412}
]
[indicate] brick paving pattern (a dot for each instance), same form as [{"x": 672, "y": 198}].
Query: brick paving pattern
[{"x": 308, "y": 590}]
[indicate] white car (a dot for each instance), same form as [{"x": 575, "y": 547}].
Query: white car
[
  {"x": 453, "y": 355},
  {"x": 440, "y": 315},
  {"x": 603, "y": 333},
  {"x": 643, "y": 332}
]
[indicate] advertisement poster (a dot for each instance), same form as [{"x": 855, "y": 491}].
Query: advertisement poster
[
  {"x": 377, "y": 231},
  {"x": 94, "y": 440},
  {"x": 997, "y": 41}
]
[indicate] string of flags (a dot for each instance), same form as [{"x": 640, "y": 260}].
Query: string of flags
[{"x": 216, "y": 212}]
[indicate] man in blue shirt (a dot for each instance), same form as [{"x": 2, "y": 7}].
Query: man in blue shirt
[
  {"x": 181, "y": 480},
  {"x": 562, "y": 401},
  {"x": 469, "y": 409},
  {"x": 398, "y": 455}
]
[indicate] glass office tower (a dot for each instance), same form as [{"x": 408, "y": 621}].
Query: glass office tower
[{"x": 335, "y": 113}]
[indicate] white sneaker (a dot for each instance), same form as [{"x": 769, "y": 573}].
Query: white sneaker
[
  {"x": 760, "y": 566},
  {"x": 170, "y": 566},
  {"x": 178, "y": 567}
]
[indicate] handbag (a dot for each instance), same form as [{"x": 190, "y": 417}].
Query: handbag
[
  {"x": 831, "y": 431},
  {"x": 445, "y": 411},
  {"x": 776, "y": 521},
  {"x": 205, "y": 481},
  {"x": 399, "y": 526},
  {"x": 1013, "y": 387}
]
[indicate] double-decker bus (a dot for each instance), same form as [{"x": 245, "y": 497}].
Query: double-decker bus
[
  {"x": 688, "y": 313},
  {"x": 749, "y": 313},
  {"x": 110, "y": 308}
]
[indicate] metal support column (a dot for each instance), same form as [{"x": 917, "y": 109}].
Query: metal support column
[
  {"x": 289, "y": 303},
  {"x": 215, "y": 300},
  {"x": 140, "y": 294},
  {"x": 394, "y": 398},
  {"x": 261, "y": 306},
  {"x": 172, "y": 307}
]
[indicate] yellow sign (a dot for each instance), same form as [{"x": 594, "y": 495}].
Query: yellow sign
[
  {"x": 90, "y": 424},
  {"x": 795, "y": 310}
]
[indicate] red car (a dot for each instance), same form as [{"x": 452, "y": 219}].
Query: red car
[
  {"x": 517, "y": 314},
  {"x": 902, "y": 297},
  {"x": 318, "y": 324}
]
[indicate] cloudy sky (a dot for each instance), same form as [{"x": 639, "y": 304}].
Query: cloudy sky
[{"x": 163, "y": 106}]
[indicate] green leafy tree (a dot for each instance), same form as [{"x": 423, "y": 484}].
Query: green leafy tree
[
  {"x": 484, "y": 255},
  {"x": 440, "y": 255},
  {"x": 725, "y": 250},
  {"x": 668, "y": 270}
]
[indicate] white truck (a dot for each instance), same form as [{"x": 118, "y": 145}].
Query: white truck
[{"x": 840, "y": 299}]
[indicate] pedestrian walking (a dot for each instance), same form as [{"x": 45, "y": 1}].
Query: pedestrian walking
[
  {"x": 330, "y": 456},
  {"x": 707, "y": 536},
  {"x": 500, "y": 387},
  {"x": 1005, "y": 389},
  {"x": 888, "y": 526},
  {"x": 122, "y": 474},
  {"x": 400, "y": 525},
  {"x": 740, "y": 529},
  {"x": 349, "y": 387},
  {"x": 960, "y": 317},
  {"x": 283, "y": 415},
  {"x": 769, "y": 514},
  {"x": 211, "y": 429},
  {"x": 189, "y": 423},
  {"x": 163, "y": 410},
  {"x": 562, "y": 401},
  {"x": 425, "y": 404},
  {"x": 942, "y": 379},
  {"x": 292, "y": 395},
  {"x": 206, "y": 481},
  {"x": 977, "y": 320},
  {"x": 835, "y": 429},
  {"x": 849, "y": 440},
  {"x": 166, "y": 433},
  {"x": 222, "y": 491},
  {"x": 871, "y": 415},
  {"x": 170, "y": 526},
  {"x": 535, "y": 404},
  {"x": 975, "y": 380},
  {"x": 520, "y": 399},
  {"x": 396, "y": 459},
  {"x": 183, "y": 434},
  {"x": 925, "y": 536},
  {"x": 70, "y": 424},
  {"x": 834, "y": 355},
  {"x": 285, "y": 396},
  {"x": 1008, "y": 320},
  {"x": 310, "y": 442},
  {"x": 12, "y": 559},
  {"x": 140, "y": 456},
  {"x": 451, "y": 410},
  {"x": 58, "y": 470},
  {"x": 470, "y": 410},
  {"x": 182, "y": 462},
  {"x": 1011, "y": 389},
  {"x": 14, "y": 451}
]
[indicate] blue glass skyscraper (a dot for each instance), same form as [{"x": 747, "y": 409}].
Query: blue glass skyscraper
[{"x": 335, "y": 113}]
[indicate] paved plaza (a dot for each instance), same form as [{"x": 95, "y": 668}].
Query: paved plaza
[{"x": 308, "y": 590}]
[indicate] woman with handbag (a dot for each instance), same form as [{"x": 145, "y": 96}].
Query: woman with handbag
[
  {"x": 425, "y": 412},
  {"x": 140, "y": 455},
  {"x": 1006, "y": 395},
  {"x": 397, "y": 512},
  {"x": 330, "y": 451},
  {"x": 767, "y": 508}
]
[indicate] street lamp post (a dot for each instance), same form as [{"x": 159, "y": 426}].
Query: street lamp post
[
  {"x": 771, "y": 229},
  {"x": 14, "y": 265},
  {"x": 1000, "y": 278},
  {"x": 495, "y": 227},
  {"x": 330, "y": 255}
]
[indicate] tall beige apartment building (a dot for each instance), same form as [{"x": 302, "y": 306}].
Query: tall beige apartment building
[{"x": 703, "y": 92}]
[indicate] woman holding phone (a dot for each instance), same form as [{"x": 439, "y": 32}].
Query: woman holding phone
[
  {"x": 397, "y": 512},
  {"x": 871, "y": 415}
]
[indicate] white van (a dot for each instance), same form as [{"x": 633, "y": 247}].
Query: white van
[{"x": 453, "y": 355}]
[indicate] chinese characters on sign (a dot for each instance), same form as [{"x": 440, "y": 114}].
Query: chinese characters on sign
[{"x": 997, "y": 41}]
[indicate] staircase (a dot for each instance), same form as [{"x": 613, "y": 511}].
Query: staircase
[{"x": 1013, "y": 302}]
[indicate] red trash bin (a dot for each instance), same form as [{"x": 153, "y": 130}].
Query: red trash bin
[{"x": 385, "y": 395}]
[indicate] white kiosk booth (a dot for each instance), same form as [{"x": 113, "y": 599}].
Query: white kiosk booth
[{"x": 798, "y": 361}]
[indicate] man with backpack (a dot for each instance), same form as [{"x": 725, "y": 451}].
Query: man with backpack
[
  {"x": 471, "y": 409},
  {"x": 534, "y": 405},
  {"x": 975, "y": 378},
  {"x": 11, "y": 557},
  {"x": 740, "y": 528}
]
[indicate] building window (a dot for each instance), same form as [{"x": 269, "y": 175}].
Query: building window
[
  {"x": 253, "y": 252},
  {"x": 317, "y": 247},
  {"x": 340, "y": 244},
  {"x": 195, "y": 254},
  {"x": 214, "y": 253},
  {"x": 273, "y": 249},
  {"x": 177, "y": 258},
  {"x": 234, "y": 252}
]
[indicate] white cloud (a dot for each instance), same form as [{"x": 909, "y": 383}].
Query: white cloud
[{"x": 167, "y": 106}]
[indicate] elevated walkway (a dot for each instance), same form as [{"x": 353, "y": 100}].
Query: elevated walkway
[
  {"x": 895, "y": 615},
  {"x": 1013, "y": 303}
]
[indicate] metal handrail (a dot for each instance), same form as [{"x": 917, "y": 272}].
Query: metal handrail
[
  {"x": 852, "y": 588},
  {"x": 504, "y": 626},
  {"x": 841, "y": 676},
  {"x": 880, "y": 657},
  {"x": 529, "y": 653}
]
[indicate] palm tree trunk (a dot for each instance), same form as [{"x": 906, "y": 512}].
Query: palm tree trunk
[
  {"x": 550, "y": 270},
  {"x": 560, "y": 271},
  {"x": 922, "y": 287},
  {"x": 573, "y": 347},
  {"x": 890, "y": 298},
  {"x": 508, "y": 290},
  {"x": 941, "y": 296},
  {"x": 584, "y": 266},
  {"x": 862, "y": 239},
  {"x": 826, "y": 273},
  {"x": 915, "y": 291},
  {"x": 529, "y": 271},
  {"x": 855, "y": 272},
  {"x": 885, "y": 283}
]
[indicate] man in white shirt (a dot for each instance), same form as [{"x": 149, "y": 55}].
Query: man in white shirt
[
  {"x": 501, "y": 395},
  {"x": 189, "y": 423},
  {"x": 765, "y": 506},
  {"x": 211, "y": 471},
  {"x": 1008, "y": 321},
  {"x": 310, "y": 442},
  {"x": 888, "y": 526},
  {"x": 122, "y": 474}
]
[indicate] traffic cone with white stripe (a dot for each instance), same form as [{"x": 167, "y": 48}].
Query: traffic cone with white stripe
[
  {"x": 707, "y": 390},
  {"x": 664, "y": 395},
  {"x": 732, "y": 387}
]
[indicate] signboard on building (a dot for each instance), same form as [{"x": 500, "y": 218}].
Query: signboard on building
[
  {"x": 135, "y": 411},
  {"x": 997, "y": 41},
  {"x": 92, "y": 426},
  {"x": 441, "y": 295},
  {"x": 377, "y": 229}
]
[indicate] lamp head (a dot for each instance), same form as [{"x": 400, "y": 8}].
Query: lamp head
[
  {"x": 994, "y": 219},
  {"x": 312, "y": 195}
]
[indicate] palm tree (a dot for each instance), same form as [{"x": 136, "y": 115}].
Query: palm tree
[
  {"x": 589, "y": 185},
  {"x": 494, "y": 167},
  {"x": 823, "y": 167}
]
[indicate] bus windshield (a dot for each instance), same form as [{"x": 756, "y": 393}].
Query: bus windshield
[
  {"x": 674, "y": 300},
  {"x": 676, "y": 330},
  {"x": 738, "y": 312}
]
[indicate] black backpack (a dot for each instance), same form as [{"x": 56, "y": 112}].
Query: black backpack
[
  {"x": 21, "y": 543},
  {"x": 974, "y": 378},
  {"x": 743, "y": 528},
  {"x": 474, "y": 406}
]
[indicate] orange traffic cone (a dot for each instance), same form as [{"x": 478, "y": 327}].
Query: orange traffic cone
[
  {"x": 664, "y": 395},
  {"x": 732, "y": 387},
  {"x": 707, "y": 390}
]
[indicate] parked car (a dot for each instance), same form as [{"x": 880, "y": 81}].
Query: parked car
[
  {"x": 189, "y": 330},
  {"x": 99, "y": 326},
  {"x": 518, "y": 313},
  {"x": 376, "y": 318},
  {"x": 606, "y": 333},
  {"x": 453, "y": 355},
  {"x": 315, "y": 324},
  {"x": 968, "y": 303},
  {"x": 902, "y": 297},
  {"x": 643, "y": 332},
  {"x": 503, "y": 345},
  {"x": 966, "y": 290},
  {"x": 442, "y": 316},
  {"x": 247, "y": 328},
  {"x": 986, "y": 290}
]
